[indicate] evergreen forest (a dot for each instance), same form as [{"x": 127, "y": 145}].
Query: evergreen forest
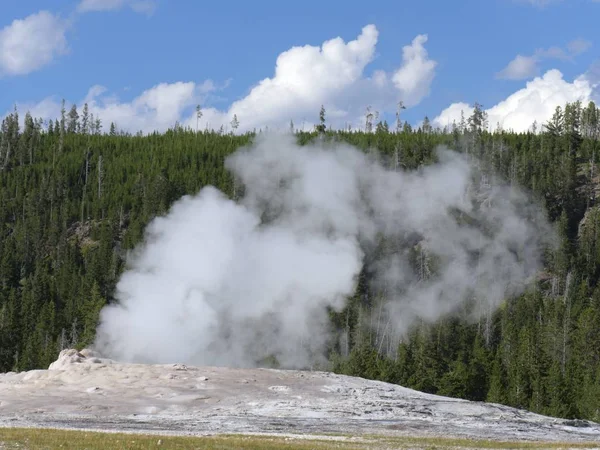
[{"x": 75, "y": 198}]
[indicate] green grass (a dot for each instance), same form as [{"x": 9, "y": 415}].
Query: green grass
[{"x": 37, "y": 439}]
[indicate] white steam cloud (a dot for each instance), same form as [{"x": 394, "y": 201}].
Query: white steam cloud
[{"x": 218, "y": 282}]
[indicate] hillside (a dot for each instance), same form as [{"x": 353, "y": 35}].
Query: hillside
[
  {"x": 74, "y": 203},
  {"x": 83, "y": 391}
]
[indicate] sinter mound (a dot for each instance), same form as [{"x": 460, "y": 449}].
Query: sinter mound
[{"x": 83, "y": 390}]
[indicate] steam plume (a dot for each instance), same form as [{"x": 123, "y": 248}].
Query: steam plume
[{"x": 223, "y": 283}]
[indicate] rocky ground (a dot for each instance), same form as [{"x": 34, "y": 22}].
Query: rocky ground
[{"x": 84, "y": 391}]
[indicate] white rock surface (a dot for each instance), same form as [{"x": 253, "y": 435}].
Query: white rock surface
[{"x": 81, "y": 390}]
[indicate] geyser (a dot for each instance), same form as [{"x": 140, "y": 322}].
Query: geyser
[{"x": 218, "y": 282}]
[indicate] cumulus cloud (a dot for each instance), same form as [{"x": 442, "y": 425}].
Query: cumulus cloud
[
  {"x": 535, "y": 102},
  {"x": 29, "y": 44},
  {"x": 46, "y": 109},
  {"x": 415, "y": 76},
  {"x": 140, "y": 6},
  {"x": 305, "y": 78},
  {"x": 332, "y": 75},
  {"x": 157, "y": 108},
  {"x": 522, "y": 67}
]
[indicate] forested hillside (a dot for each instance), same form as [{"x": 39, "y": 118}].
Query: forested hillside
[{"x": 74, "y": 200}]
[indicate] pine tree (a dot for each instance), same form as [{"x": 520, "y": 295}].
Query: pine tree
[
  {"x": 398, "y": 120},
  {"x": 85, "y": 120},
  {"x": 198, "y": 116},
  {"x": 497, "y": 390},
  {"x": 477, "y": 120},
  {"x": 321, "y": 126},
  {"x": 235, "y": 123},
  {"x": 556, "y": 124},
  {"x": 73, "y": 121},
  {"x": 62, "y": 129}
]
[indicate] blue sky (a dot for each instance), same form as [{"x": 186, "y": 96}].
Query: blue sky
[{"x": 61, "y": 49}]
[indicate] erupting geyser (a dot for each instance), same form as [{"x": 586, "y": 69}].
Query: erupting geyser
[{"x": 218, "y": 282}]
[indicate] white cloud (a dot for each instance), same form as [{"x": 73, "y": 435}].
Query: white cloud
[
  {"x": 522, "y": 67},
  {"x": 415, "y": 76},
  {"x": 46, "y": 109},
  {"x": 157, "y": 108},
  {"x": 29, "y": 44},
  {"x": 140, "y": 6},
  {"x": 305, "y": 78},
  {"x": 519, "y": 68},
  {"x": 535, "y": 102},
  {"x": 331, "y": 75},
  {"x": 452, "y": 114}
]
